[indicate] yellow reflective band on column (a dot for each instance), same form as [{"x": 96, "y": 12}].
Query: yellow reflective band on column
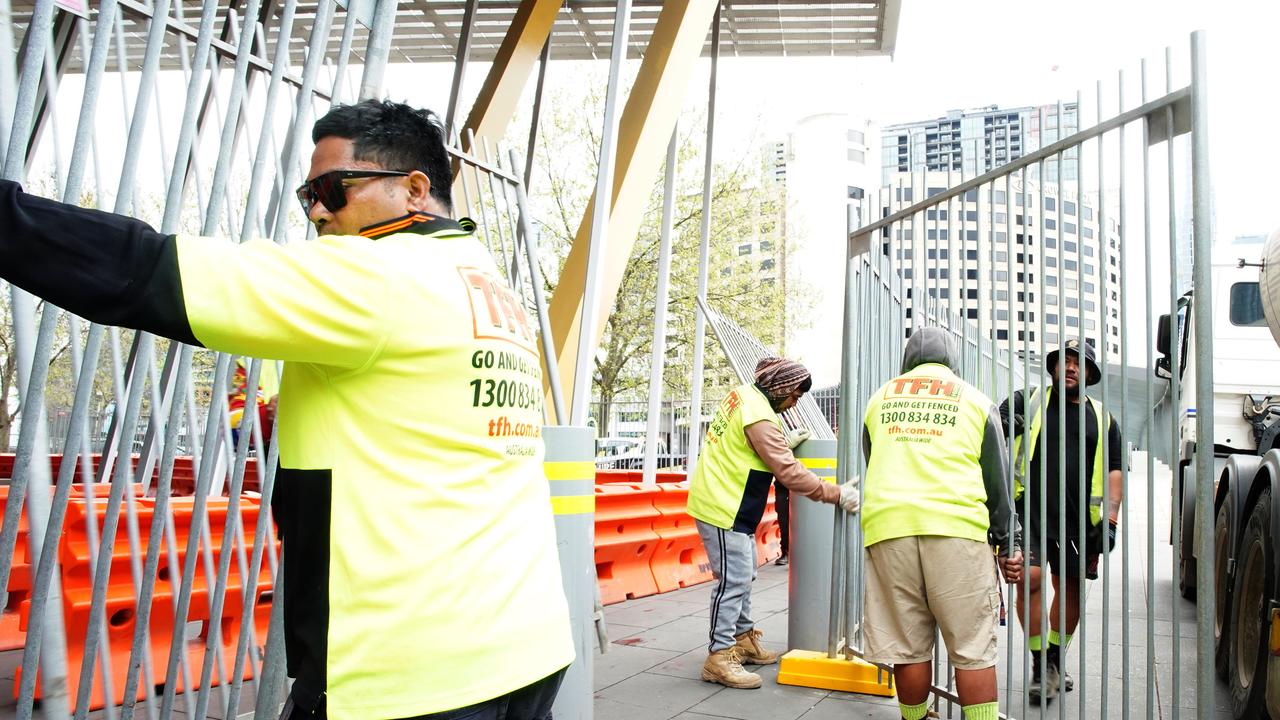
[
  {"x": 569, "y": 470},
  {"x": 817, "y": 463},
  {"x": 573, "y": 504}
]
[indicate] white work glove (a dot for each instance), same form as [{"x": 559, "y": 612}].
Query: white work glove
[
  {"x": 849, "y": 499},
  {"x": 797, "y": 436}
]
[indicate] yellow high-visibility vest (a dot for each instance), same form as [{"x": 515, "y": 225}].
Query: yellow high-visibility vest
[
  {"x": 1023, "y": 452},
  {"x": 924, "y": 476},
  {"x": 421, "y": 571},
  {"x": 730, "y": 485}
]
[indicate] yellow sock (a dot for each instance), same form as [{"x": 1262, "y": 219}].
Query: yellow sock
[
  {"x": 914, "y": 712},
  {"x": 983, "y": 711}
]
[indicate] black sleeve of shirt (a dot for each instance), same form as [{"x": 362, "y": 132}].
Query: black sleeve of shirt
[
  {"x": 994, "y": 461},
  {"x": 104, "y": 267},
  {"x": 1017, "y": 419},
  {"x": 1115, "y": 447}
]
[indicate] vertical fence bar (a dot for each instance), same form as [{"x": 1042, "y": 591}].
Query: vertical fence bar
[
  {"x": 704, "y": 251},
  {"x": 461, "y": 57},
  {"x": 1202, "y": 228},
  {"x": 1175, "y": 397},
  {"x": 658, "y": 352},
  {"x": 378, "y": 49}
]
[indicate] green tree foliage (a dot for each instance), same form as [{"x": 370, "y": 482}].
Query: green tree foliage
[{"x": 746, "y": 245}]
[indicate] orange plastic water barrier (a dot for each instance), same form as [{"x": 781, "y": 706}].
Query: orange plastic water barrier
[
  {"x": 646, "y": 542},
  {"x": 625, "y": 541},
  {"x": 121, "y": 601}
]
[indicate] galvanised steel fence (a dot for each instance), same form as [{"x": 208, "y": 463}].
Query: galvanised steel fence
[
  {"x": 1069, "y": 242},
  {"x": 132, "y": 596}
]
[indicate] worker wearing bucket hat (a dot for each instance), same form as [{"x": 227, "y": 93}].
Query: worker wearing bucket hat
[{"x": 1056, "y": 536}]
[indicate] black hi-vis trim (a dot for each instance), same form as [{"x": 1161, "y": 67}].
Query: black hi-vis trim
[
  {"x": 755, "y": 496},
  {"x": 302, "y": 506},
  {"x": 104, "y": 267},
  {"x": 419, "y": 223}
]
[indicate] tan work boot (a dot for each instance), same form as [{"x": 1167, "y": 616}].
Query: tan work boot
[
  {"x": 725, "y": 667},
  {"x": 753, "y": 653}
]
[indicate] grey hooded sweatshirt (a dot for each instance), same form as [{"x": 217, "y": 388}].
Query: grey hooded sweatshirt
[{"x": 935, "y": 345}]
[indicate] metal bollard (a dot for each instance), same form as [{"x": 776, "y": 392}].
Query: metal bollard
[
  {"x": 571, "y": 471},
  {"x": 809, "y": 586}
]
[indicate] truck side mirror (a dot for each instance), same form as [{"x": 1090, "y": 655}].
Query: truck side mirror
[{"x": 1164, "y": 334}]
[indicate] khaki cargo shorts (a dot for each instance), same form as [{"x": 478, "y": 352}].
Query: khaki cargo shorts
[{"x": 917, "y": 584}]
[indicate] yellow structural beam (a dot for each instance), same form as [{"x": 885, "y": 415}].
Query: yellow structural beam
[
  {"x": 807, "y": 668},
  {"x": 643, "y": 133},
  {"x": 496, "y": 104}
]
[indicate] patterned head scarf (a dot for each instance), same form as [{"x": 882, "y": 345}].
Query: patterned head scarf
[{"x": 778, "y": 377}]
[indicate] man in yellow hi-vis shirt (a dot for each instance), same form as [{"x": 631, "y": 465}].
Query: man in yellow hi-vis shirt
[
  {"x": 744, "y": 451},
  {"x": 935, "y": 501},
  {"x": 420, "y": 574}
]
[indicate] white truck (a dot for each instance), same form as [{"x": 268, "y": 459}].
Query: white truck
[{"x": 1246, "y": 448}]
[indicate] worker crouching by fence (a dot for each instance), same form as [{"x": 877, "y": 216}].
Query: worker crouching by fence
[
  {"x": 936, "y": 500},
  {"x": 744, "y": 450}
]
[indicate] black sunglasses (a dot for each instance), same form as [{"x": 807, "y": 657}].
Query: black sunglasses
[{"x": 330, "y": 190}]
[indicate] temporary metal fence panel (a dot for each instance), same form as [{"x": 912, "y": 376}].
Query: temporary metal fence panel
[
  {"x": 196, "y": 117},
  {"x": 1045, "y": 250}
]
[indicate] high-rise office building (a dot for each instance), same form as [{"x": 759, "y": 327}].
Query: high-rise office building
[
  {"x": 1027, "y": 263},
  {"x": 971, "y": 142},
  {"x": 824, "y": 169}
]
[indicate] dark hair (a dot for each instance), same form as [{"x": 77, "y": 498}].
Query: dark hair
[{"x": 396, "y": 137}]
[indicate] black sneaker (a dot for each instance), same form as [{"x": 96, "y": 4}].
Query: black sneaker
[
  {"x": 781, "y": 560},
  {"x": 1067, "y": 683}
]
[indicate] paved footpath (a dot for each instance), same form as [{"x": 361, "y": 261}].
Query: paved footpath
[{"x": 652, "y": 670}]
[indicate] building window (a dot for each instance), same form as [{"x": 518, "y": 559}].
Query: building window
[
  {"x": 1088, "y": 213},
  {"x": 1050, "y": 224},
  {"x": 1072, "y": 302},
  {"x": 1051, "y": 280},
  {"x": 971, "y": 293},
  {"x": 1088, "y": 250},
  {"x": 1032, "y": 297},
  {"x": 857, "y": 137},
  {"x": 971, "y": 313},
  {"x": 1069, "y": 246},
  {"x": 1089, "y": 269},
  {"x": 766, "y": 264},
  {"x": 744, "y": 249},
  {"x": 1068, "y": 207},
  {"x": 936, "y": 214},
  {"x": 1070, "y": 265},
  {"x": 1068, "y": 228},
  {"x": 1002, "y": 295},
  {"x": 857, "y": 156},
  {"x": 972, "y": 275},
  {"x": 1050, "y": 261},
  {"x": 971, "y": 215},
  {"x": 766, "y": 245},
  {"x": 970, "y": 254},
  {"x": 971, "y": 235},
  {"x": 1002, "y": 276},
  {"x": 1088, "y": 232},
  {"x": 999, "y": 197},
  {"x": 1051, "y": 318},
  {"x": 1002, "y": 256},
  {"x": 1090, "y": 287},
  {"x": 1001, "y": 218},
  {"x": 1050, "y": 203},
  {"x": 1002, "y": 334},
  {"x": 1073, "y": 321}
]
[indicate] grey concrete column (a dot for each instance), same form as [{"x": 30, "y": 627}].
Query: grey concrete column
[
  {"x": 571, "y": 471},
  {"x": 809, "y": 587}
]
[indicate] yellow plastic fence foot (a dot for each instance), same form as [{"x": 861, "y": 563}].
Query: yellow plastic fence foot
[{"x": 807, "y": 668}]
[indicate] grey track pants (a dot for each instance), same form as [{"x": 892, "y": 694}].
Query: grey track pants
[{"x": 733, "y": 563}]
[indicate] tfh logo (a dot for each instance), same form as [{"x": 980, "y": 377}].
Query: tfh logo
[{"x": 496, "y": 312}]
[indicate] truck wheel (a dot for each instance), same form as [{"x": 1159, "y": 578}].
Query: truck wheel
[
  {"x": 1222, "y": 586},
  {"x": 1249, "y": 622},
  {"x": 1187, "y": 530}
]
